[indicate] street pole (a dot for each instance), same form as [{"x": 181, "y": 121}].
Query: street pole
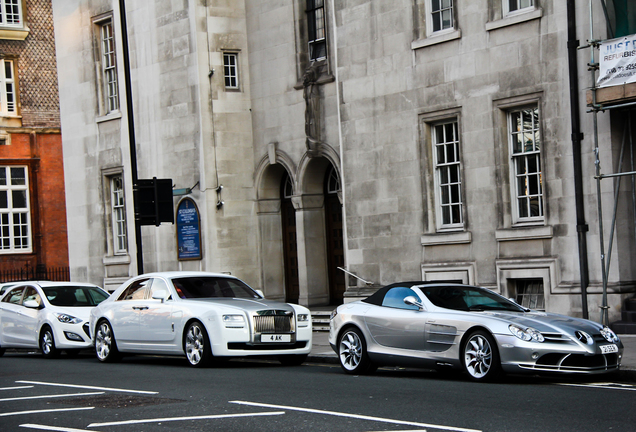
[{"x": 131, "y": 128}]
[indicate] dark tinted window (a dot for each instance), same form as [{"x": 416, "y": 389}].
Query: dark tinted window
[
  {"x": 212, "y": 287},
  {"x": 468, "y": 298},
  {"x": 74, "y": 296}
]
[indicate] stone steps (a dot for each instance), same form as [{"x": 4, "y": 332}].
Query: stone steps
[{"x": 320, "y": 320}]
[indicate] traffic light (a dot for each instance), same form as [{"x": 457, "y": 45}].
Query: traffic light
[{"x": 153, "y": 201}]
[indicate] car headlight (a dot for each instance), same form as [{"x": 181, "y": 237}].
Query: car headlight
[
  {"x": 303, "y": 320},
  {"x": 333, "y": 314},
  {"x": 527, "y": 334},
  {"x": 609, "y": 335},
  {"x": 67, "y": 319},
  {"x": 234, "y": 321}
]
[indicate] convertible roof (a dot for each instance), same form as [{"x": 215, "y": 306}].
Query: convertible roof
[{"x": 378, "y": 296}]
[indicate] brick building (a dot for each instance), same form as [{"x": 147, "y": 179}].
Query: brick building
[{"x": 33, "y": 231}]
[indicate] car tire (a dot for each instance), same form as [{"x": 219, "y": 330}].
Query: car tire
[
  {"x": 292, "y": 359},
  {"x": 196, "y": 345},
  {"x": 480, "y": 357},
  {"x": 352, "y": 353},
  {"x": 47, "y": 343},
  {"x": 105, "y": 344}
]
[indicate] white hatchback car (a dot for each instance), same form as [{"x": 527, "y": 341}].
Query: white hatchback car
[
  {"x": 51, "y": 316},
  {"x": 199, "y": 315}
]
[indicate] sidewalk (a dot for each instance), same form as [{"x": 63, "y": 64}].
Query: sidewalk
[{"x": 321, "y": 352}]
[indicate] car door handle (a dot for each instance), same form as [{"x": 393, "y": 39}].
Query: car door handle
[{"x": 140, "y": 307}]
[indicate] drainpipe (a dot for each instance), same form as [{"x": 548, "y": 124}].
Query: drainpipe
[{"x": 577, "y": 137}]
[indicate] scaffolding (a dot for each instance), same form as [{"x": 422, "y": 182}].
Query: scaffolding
[{"x": 596, "y": 107}]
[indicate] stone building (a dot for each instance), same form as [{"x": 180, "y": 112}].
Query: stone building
[
  {"x": 401, "y": 140},
  {"x": 33, "y": 233}
]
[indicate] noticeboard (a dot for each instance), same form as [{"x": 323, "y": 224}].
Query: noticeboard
[
  {"x": 188, "y": 231},
  {"x": 617, "y": 65}
]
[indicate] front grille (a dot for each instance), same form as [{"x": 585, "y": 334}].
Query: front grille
[
  {"x": 274, "y": 323},
  {"x": 577, "y": 362}
]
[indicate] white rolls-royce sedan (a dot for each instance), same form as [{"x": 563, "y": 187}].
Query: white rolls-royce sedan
[{"x": 201, "y": 316}]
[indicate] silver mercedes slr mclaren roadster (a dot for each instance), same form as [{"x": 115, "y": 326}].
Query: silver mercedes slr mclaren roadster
[{"x": 461, "y": 327}]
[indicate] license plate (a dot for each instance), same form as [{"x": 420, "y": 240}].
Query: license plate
[
  {"x": 275, "y": 338},
  {"x": 606, "y": 349}
]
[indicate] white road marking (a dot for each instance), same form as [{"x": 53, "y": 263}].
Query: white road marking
[
  {"x": 50, "y": 396},
  {"x": 206, "y": 417},
  {"x": 53, "y": 428},
  {"x": 87, "y": 387},
  {"x": 610, "y": 386},
  {"x": 44, "y": 411},
  {"x": 356, "y": 416},
  {"x": 16, "y": 388}
]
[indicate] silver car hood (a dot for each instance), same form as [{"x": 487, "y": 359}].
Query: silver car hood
[
  {"x": 547, "y": 322},
  {"x": 247, "y": 305}
]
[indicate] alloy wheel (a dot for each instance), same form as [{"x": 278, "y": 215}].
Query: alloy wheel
[
  {"x": 478, "y": 356},
  {"x": 103, "y": 341},
  {"x": 194, "y": 344},
  {"x": 350, "y": 350}
]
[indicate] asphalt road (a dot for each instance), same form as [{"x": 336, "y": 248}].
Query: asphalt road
[{"x": 164, "y": 394}]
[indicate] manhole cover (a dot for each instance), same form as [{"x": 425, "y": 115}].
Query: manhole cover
[{"x": 117, "y": 401}]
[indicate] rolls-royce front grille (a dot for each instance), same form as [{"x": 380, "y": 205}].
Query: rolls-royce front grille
[{"x": 276, "y": 322}]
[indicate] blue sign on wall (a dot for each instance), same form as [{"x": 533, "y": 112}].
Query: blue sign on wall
[{"x": 188, "y": 231}]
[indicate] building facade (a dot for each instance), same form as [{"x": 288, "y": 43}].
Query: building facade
[
  {"x": 399, "y": 140},
  {"x": 33, "y": 232}
]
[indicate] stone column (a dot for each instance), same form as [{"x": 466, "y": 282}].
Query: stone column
[{"x": 312, "y": 249}]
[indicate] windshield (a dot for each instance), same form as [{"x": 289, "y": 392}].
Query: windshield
[
  {"x": 74, "y": 296},
  {"x": 468, "y": 298},
  {"x": 212, "y": 287}
]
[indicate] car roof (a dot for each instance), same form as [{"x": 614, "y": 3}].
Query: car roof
[
  {"x": 176, "y": 274},
  {"x": 51, "y": 284}
]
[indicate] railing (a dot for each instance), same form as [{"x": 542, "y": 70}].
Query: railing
[{"x": 39, "y": 272}]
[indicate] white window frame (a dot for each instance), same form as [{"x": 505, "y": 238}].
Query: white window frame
[
  {"x": 107, "y": 58},
  {"x": 430, "y": 31},
  {"x": 529, "y": 157},
  {"x": 446, "y": 144},
  {"x": 520, "y": 8},
  {"x": 118, "y": 214},
  {"x": 231, "y": 70},
  {"x": 8, "y": 242},
  {"x": 15, "y": 4},
  {"x": 8, "y": 88},
  {"x": 319, "y": 15}
]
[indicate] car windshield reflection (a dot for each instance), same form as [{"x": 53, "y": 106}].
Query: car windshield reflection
[
  {"x": 468, "y": 299},
  {"x": 212, "y": 287},
  {"x": 74, "y": 296}
]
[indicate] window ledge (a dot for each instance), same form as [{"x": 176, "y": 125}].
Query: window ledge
[
  {"x": 110, "y": 116},
  {"x": 116, "y": 259},
  {"x": 524, "y": 233},
  {"x": 14, "y": 33},
  {"x": 446, "y": 238},
  {"x": 436, "y": 39},
  {"x": 514, "y": 19}
]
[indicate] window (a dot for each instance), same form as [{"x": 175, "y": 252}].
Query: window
[
  {"x": 108, "y": 65},
  {"x": 525, "y": 159},
  {"x": 394, "y": 298},
  {"x": 14, "y": 296},
  {"x": 448, "y": 183},
  {"x": 512, "y": 6},
  {"x": 530, "y": 293},
  {"x": 11, "y": 13},
  {"x": 15, "y": 218},
  {"x": 441, "y": 15},
  {"x": 118, "y": 212},
  {"x": 136, "y": 290},
  {"x": 8, "y": 105},
  {"x": 316, "y": 30},
  {"x": 230, "y": 70}
]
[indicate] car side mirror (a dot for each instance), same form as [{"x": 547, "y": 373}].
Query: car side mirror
[
  {"x": 412, "y": 301},
  {"x": 160, "y": 295},
  {"x": 31, "y": 304},
  {"x": 260, "y": 293}
]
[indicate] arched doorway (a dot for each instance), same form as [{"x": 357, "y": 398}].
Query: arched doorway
[
  {"x": 334, "y": 236},
  {"x": 290, "y": 246}
]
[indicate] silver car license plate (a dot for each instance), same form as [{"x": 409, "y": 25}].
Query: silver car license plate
[
  {"x": 607, "y": 349},
  {"x": 275, "y": 338}
]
